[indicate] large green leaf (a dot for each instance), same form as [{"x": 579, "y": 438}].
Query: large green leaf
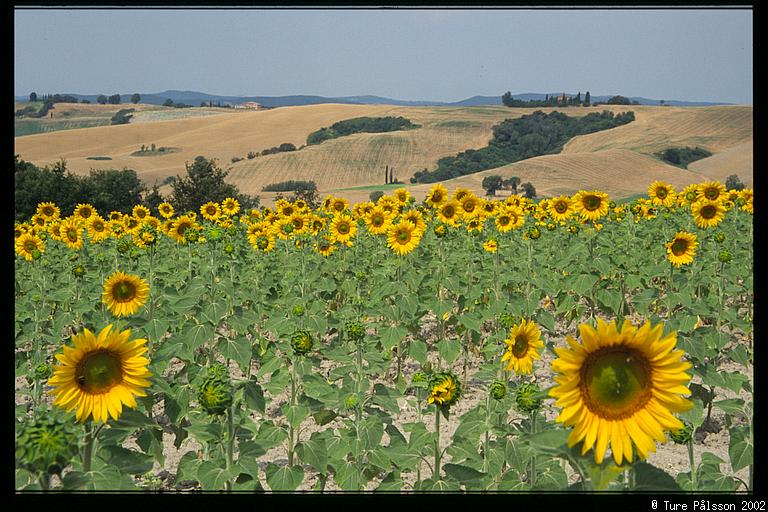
[
  {"x": 314, "y": 453},
  {"x": 212, "y": 475},
  {"x": 286, "y": 478},
  {"x": 740, "y": 448}
]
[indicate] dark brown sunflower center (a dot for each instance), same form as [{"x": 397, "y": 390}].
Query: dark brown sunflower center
[
  {"x": 561, "y": 207},
  {"x": 661, "y": 193},
  {"x": 287, "y": 211},
  {"x": 449, "y": 211},
  {"x": 520, "y": 348},
  {"x": 708, "y": 211},
  {"x": 592, "y": 203},
  {"x": 124, "y": 291},
  {"x": 403, "y": 236},
  {"x": 437, "y": 196},
  {"x": 47, "y": 211},
  {"x": 504, "y": 220},
  {"x": 377, "y": 220},
  {"x": 679, "y": 246},
  {"x": 339, "y": 207},
  {"x": 469, "y": 206},
  {"x": 343, "y": 228},
  {"x": 99, "y": 371},
  {"x": 211, "y": 210},
  {"x": 85, "y": 213},
  {"x": 72, "y": 235},
  {"x": 615, "y": 382},
  {"x": 30, "y": 246},
  {"x": 711, "y": 193}
]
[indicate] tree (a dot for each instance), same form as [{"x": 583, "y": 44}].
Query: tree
[
  {"x": 135, "y": 98},
  {"x": 375, "y": 195},
  {"x": 618, "y": 100},
  {"x": 587, "y": 100},
  {"x": 33, "y": 96},
  {"x": 114, "y": 99},
  {"x": 661, "y": 102},
  {"x": 512, "y": 183},
  {"x": 528, "y": 190},
  {"x": 733, "y": 182},
  {"x": 506, "y": 99},
  {"x": 491, "y": 184},
  {"x": 101, "y": 99},
  {"x": 168, "y": 103},
  {"x": 205, "y": 182},
  {"x": 153, "y": 199}
]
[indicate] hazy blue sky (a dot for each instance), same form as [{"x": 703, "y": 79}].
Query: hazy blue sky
[{"x": 444, "y": 55}]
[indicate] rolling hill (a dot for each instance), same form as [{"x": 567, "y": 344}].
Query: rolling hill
[{"x": 620, "y": 161}]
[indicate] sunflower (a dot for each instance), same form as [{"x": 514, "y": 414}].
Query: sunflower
[
  {"x": 491, "y": 245},
  {"x": 325, "y": 246},
  {"x": 591, "y": 205},
  {"x": 437, "y": 195},
  {"x": 339, "y": 205},
  {"x": 27, "y": 244},
  {"x": 449, "y": 212},
  {"x": 417, "y": 219},
  {"x": 131, "y": 224},
  {"x": 378, "y": 221},
  {"x": 444, "y": 389},
  {"x": 300, "y": 223},
  {"x": 48, "y": 210},
  {"x": 97, "y": 229},
  {"x": 316, "y": 223},
  {"x": 115, "y": 215},
  {"x": 141, "y": 212},
  {"x": 707, "y": 214},
  {"x": 403, "y": 237},
  {"x": 38, "y": 221},
  {"x": 230, "y": 206},
  {"x": 84, "y": 211},
  {"x": 100, "y": 374},
  {"x": 166, "y": 210},
  {"x": 711, "y": 190},
  {"x": 508, "y": 218},
  {"x": 523, "y": 346},
  {"x": 682, "y": 248},
  {"x": 210, "y": 211},
  {"x": 19, "y": 228},
  {"x": 662, "y": 193},
  {"x": 460, "y": 193},
  {"x": 263, "y": 242},
  {"x": 620, "y": 388},
  {"x": 343, "y": 228},
  {"x": 402, "y": 195},
  {"x": 561, "y": 208},
  {"x": 71, "y": 233},
  {"x": 470, "y": 204},
  {"x": 179, "y": 227},
  {"x": 124, "y": 294}
]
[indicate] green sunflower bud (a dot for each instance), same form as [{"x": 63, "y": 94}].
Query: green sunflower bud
[
  {"x": 190, "y": 235},
  {"x": 218, "y": 371},
  {"x": 550, "y": 226},
  {"x": 301, "y": 342},
  {"x": 360, "y": 275},
  {"x": 684, "y": 435},
  {"x": 214, "y": 233},
  {"x": 43, "y": 371},
  {"x": 288, "y": 228},
  {"x": 507, "y": 320},
  {"x": 498, "y": 390},
  {"x": 611, "y": 204},
  {"x": 420, "y": 379},
  {"x": 720, "y": 237},
  {"x": 298, "y": 310},
  {"x": 533, "y": 233},
  {"x": 78, "y": 271},
  {"x": 355, "y": 331},
  {"x": 232, "y": 230},
  {"x": 725, "y": 256},
  {"x": 36, "y": 254},
  {"x": 46, "y": 443},
  {"x": 351, "y": 401},
  {"x": 525, "y": 395},
  {"x": 229, "y": 248},
  {"x": 123, "y": 245},
  {"x": 216, "y": 392}
]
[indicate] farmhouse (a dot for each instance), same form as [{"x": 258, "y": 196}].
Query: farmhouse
[{"x": 250, "y": 105}]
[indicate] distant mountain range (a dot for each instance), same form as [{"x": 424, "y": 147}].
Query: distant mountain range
[{"x": 195, "y": 98}]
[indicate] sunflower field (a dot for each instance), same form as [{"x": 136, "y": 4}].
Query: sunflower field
[{"x": 455, "y": 344}]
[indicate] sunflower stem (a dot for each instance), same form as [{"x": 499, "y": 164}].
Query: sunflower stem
[
  {"x": 436, "y": 469},
  {"x": 230, "y": 442},
  {"x": 533, "y": 457},
  {"x": 487, "y": 434},
  {"x": 88, "y": 448},
  {"x": 692, "y": 462}
]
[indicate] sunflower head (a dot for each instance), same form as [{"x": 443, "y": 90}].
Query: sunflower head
[
  {"x": 683, "y": 435},
  {"x": 498, "y": 390},
  {"x": 420, "y": 379},
  {"x": 724, "y": 257},
  {"x": 491, "y": 246},
  {"x": 620, "y": 387},
  {"x": 78, "y": 271},
  {"x": 124, "y": 293},
  {"x": 100, "y": 374},
  {"x": 523, "y": 346},
  {"x": 43, "y": 371},
  {"x": 444, "y": 389},
  {"x": 355, "y": 331},
  {"x": 682, "y": 248},
  {"x": 46, "y": 443},
  {"x": 215, "y": 394},
  {"x": 526, "y": 397},
  {"x": 301, "y": 342}
]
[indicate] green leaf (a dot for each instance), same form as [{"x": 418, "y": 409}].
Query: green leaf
[
  {"x": 471, "y": 478},
  {"x": 347, "y": 476},
  {"x": 286, "y": 478},
  {"x": 549, "y": 441},
  {"x": 417, "y": 349},
  {"x": 314, "y": 453},
  {"x": 391, "y": 335},
  {"x": 247, "y": 482},
  {"x": 324, "y": 416},
  {"x": 448, "y": 350},
  {"x": 212, "y": 475},
  {"x": 196, "y": 335},
  {"x": 295, "y": 414},
  {"x": 128, "y": 461},
  {"x": 238, "y": 349},
  {"x": 695, "y": 415},
  {"x": 730, "y": 406},
  {"x": 471, "y": 322},
  {"x": 546, "y": 319},
  {"x": 385, "y": 398},
  {"x": 740, "y": 447},
  {"x": 391, "y": 482},
  {"x": 254, "y": 396},
  {"x": 582, "y": 283},
  {"x": 651, "y": 478},
  {"x": 419, "y": 437},
  {"x": 188, "y": 465}
]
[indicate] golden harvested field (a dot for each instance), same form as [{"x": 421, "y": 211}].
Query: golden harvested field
[{"x": 619, "y": 161}]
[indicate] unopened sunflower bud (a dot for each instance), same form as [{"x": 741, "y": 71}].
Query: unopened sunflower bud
[
  {"x": 720, "y": 237},
  {"x": 725, "y": 256},
  {"x": 36, "y": 254},
  {"x": 78, "y": 271},
  {"x": 190, "y": 235},
  {"x": 525, "y": 394},
  {"x": 355, "y": 331},
  {"x": 301, "y": 342},
  {"x": 573, "y": 229},
  {"x": 439, "y": 230},
  {"x": 533, "y": 233},
  {"x": 298, "y": 310},
  {"x": 123, "y": 245},
  {"x": 229, "y": 248},
  {"x": 550, "y": 226},
  {"x": 46, "y": 443},
  {"x": 232, "y": 230},
  {"x": 420, "y": 379},
  {"x": 43, "y": 371},
  {"x": 498, "y": 390},
  {"x": 683, "y": 435},
  {"x": 351, "y": 401},
  {"x": 214, "y": 233}
]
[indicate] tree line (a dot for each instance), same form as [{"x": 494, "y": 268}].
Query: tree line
[
  {"x": 521, "y": 138},
  {"x": 111, "y": 189},
  {"x": 360, "y": 125}
]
